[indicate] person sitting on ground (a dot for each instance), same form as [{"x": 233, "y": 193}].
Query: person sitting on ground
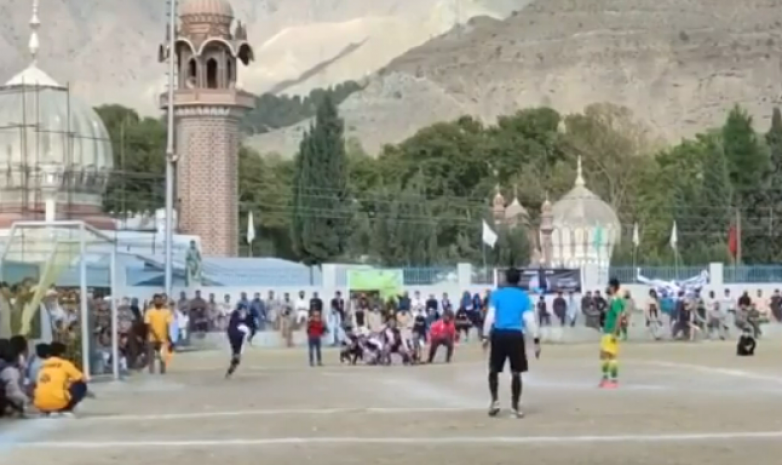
[
  {"x": 42, "y": 352},
  {"x": 746, "y": 345},
  {"x": 463, "y": 324},
  {"x": 12, "y": 398},
  {"x": 351, "y": 349},
  {"x": 20, "y": 346},
  {"x": 442, "y": 333},
  {"x": 60, "y": 386}
]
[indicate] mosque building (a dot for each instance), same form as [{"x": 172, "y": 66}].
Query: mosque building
[
  {"x": 56, "y": 155},
  {"x": 578, "y": 230}
]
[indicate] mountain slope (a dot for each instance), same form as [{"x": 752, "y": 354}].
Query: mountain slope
[
  {"x": 678, "y": 64},
  {"x": 107, "y": 49}
]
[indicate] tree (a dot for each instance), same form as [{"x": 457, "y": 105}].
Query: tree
[
  {"x": 749, "y": 168},
  {"x": 614, "y": 147},
  {"x": 278, "y": 111},
  {"x": 265, "y": 189},
  {"x": 137, "y": 184},
  {"x": 321, "y": 204},
  {"x": 774, "y": 194},
  {"x": 405, "y": 232},
  {"x": 513, "y": 247}
]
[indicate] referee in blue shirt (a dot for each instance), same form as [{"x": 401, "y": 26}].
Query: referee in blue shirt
[{"x": 509, "y": 316}]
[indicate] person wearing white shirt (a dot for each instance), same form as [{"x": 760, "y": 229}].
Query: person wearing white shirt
[
  {"x": 728, "y": 308},
  {"x": 417, "y": 303},
  {"x": 302, "y": 307},
  {"x": 715, "y": 317}
]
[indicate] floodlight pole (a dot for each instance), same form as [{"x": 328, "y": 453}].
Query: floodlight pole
[{"x": 170, "y": 154}]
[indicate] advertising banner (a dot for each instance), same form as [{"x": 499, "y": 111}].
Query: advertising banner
[{"x": 547, "y": 280}]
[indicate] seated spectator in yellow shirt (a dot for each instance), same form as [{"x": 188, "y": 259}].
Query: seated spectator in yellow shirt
[
  {"x": 158, "y": 320},
  {"x": 60, "y": 386}
]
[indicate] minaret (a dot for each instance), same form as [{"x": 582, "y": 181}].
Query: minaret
[{"x": 208, "y": 108}]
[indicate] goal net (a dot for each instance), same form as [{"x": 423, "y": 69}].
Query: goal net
[{"x": 58, "y": 284}]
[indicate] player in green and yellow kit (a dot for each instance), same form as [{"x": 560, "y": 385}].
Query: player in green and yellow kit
[{"x": 609, "y": 343}]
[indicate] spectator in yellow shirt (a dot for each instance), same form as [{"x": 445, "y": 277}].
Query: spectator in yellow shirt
[
  {"x": 158, "y": 320},
  {"x": 60, "y": 386}
]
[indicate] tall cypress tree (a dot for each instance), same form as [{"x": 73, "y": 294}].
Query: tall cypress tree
[
  {"x": 774, "y": 197},
  {"x": 748, "y": 164},
  {"x": 321, "y": 213}
]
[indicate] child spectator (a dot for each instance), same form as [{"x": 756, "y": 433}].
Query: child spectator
[{"x": 316, "y": 328}]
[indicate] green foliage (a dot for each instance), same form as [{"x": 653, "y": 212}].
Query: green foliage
[
  {"x": 513, "y": 247},
  {"x": 139, "y": 146},
  {"x": 273, "y": 111},
  {"x": 421, "y": 201},
  {"x": 321, "y": 204},
  {"x": 749, "y": 167},
  {"x": 404, "y": 233}
]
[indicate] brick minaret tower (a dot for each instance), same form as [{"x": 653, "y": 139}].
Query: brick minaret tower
[{"x": 208, "y": 107}]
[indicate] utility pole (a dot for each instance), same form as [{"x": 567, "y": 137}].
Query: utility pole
[{"x": 170, "y": 154}]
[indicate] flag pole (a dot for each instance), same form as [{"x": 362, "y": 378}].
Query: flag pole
[{"x": 483, "y": 250}]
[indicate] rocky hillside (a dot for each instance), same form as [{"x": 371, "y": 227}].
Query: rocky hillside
[
  {"x": 107, "y": 49},
  {"x": 678, "y": 64}
]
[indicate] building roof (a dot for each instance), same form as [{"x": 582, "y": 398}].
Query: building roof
[
  {"x": 41, "y": 123},
  {"x": 206, "y": 7},
  {"x": 32, "y": 76},
  {"x": 581, "y": 207}
]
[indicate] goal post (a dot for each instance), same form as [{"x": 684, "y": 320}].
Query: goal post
[{"x": 60, "y": 282}]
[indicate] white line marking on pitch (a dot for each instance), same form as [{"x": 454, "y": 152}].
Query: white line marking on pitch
[
  {"x": 719, "y": 371},
  {"x": 273, "y": 412},
  {"x": 455, "y": 440}
]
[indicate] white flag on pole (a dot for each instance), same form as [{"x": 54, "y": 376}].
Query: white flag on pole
[
  {"x": 674, "y": 236},
  {"x": 488, "y": 236},
  {"x": 250, "y": 228},
  {"x": 636, "y": 236}
]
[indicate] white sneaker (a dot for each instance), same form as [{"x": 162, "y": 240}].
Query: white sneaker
[{"x": 494, "y": 409}]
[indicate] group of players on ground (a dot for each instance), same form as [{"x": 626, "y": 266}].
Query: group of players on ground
[
  {"x": 57, "y": 386},
  {"x": 509, "y": 317}
]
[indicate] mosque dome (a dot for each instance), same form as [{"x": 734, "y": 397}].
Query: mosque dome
[
  {"x": 50, "y": 141},
  {"x": 59, "y": 130},
  {"x": 217, "y": 9},
  {"x": 585, "y": 228}
]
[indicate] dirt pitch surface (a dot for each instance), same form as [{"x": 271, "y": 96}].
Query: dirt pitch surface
[{"x": 677, "y": 404}]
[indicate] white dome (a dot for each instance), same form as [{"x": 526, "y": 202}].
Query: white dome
[
  {"x": 45, "y": 129},
  {"x": 585, "y": 228}
]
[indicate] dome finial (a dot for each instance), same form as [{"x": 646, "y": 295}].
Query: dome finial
[
  {"x": 579, "y": 174},
  {"x": 35, "y": 23}
]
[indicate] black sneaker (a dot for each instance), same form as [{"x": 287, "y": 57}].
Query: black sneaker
[{"x": 494, "y": 409}]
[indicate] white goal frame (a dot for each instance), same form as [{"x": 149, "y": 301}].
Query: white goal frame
[{"x": 87, "y": 237}]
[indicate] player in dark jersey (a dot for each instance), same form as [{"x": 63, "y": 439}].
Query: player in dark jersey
[{"x": 238, "y": 329}]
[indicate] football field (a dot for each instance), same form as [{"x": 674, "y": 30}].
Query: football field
[{"x": 677, "y": 404}]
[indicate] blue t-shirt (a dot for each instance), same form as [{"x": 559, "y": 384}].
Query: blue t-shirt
[{"x": 509, "y": 305}]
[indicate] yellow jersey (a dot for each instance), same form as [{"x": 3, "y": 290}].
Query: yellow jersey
[
  {"x": 158, "y": 321},
  {"x": 52, "y": 387}
]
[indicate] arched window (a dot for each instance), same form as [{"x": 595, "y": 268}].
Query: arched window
[
  {"x": 229, "y": 70},
  {"x": 192, "y": 73},
  {"x": 211, "y": 74}
]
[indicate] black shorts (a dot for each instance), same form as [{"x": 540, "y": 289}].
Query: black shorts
[
  {"x": 237, "y": 343},
  {"x": 507, "y": 345}
]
